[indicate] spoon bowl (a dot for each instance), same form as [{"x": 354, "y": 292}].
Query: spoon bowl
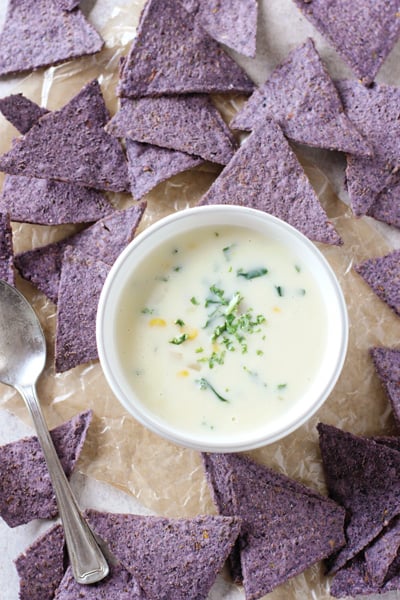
[{"x": 22, "y": 360}]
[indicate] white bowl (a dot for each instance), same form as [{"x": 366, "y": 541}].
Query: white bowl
[{"x": 332, "y": 355}]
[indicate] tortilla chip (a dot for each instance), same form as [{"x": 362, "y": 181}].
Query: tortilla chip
[
  {"x": 386, "y": 206},
  {"x": 286, "y": 526},
  {"x": 354, "y": 579},
  {"x": 102, "y": 241},
  {"x": 231, "y": 22},
  {"x": 172, "y": 54},
  {"x": 171, "y": 558},
  {"x": 374, "y": 111},
  {"x": 150, "y": 165},
  {"x": 21, "y": 112},
  {"x": 81, "y": 282},
  {"x": 383, "y": 276},
  {"x": 52, "y": 36},
  {"x": 67, "y": 4},
  {"x": 265, "y": 174},
  {"x": 26, "y": 491},
  {"x": 364, "y": 477},
  {"x": 302, "y": 98},
  {"x": 362, "y": 32},
  {"x": 189, "y": 123},
  {"x": 6, "y": 249},
  {"x": 41, "y": 566},
  {"x": 118, "y": 585},
  {"x": 382, "y": 552},
  {"x": 387, "y": 365},
  {"x": 71, "y": 145}
]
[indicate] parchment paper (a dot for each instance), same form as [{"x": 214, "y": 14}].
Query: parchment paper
[{"x": 165, "y": 478}]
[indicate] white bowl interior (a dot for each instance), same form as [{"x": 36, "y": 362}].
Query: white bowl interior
[{"x": 298, "y": 244}]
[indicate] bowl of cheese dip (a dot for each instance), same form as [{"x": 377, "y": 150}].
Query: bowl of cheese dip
[{"x": 222, "y": 328}]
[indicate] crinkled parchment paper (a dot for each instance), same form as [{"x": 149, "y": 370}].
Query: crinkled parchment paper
[{"x": 165, "y": 478}]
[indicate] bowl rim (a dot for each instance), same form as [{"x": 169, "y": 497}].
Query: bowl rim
[{"x": 133, "y": 404}]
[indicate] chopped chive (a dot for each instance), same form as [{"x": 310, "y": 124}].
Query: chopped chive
[
  {"x": 259, "y": 352},
  {"x": 179, "y": 322},
  {"x": 147, "y": 311},
  {"x": 282, "y": 386},
  {"x": 177, "y": 268},
  {"x": 161, "y": 278},
  {"x": 179, "y": 339},
  {"x": 199, "y": 350},
  {"x": 302, "y": 292},
  {"x": 194, "y": 301},
  {"x": 204, "y": 385},
  {"x": 298, "y": 269},
  {"x": 279, "y": 289},
  {"x": 253, "y": 273}
]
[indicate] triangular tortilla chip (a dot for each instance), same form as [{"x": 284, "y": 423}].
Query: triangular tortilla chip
[
  {"x": 21, "y": 112},
  {"x": 286, "y": 526},
  {"x": 382, "y": 552},
  {"x": 363, "y": 32},
  {"x": 374, "y": 111},
  {"x": 150, "y": 165},
  {"x": 265, "y": 174},
  {"x": 386, "y": 206},
  {"x": 26, "y": 491},
  {"x": 6, "y": 249},
  {"x": 49, "y": 202},
  {"x": 171, "y": 558},
  {"x": 37, "y": 33},
  {"x": 71, "y": 145},
  {"x": 354, "y": 579},
  {"x": 189, "y": 123},
  {"x": 383, "y": 276},
  {"x": 364, "y": 477},
  {"x": 172, "y": 54},
  {"x": 230, "y": 22},
  {"x": 302, "y": 98},
  {"x": 67, "y": 4},
  {"x": 81, "y": 282},
  {"x": 118, "y": 585},
  {"x": 387, "y": 365},
  {"x": 41, "y": 566},
  {"x": 103, "y": 241}
]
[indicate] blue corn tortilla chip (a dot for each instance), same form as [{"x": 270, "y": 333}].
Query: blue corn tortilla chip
[
  {"x": 189, "y": 123},
  {"x": 363, "y": 33},
  {"x": 231, "y": 22},
  {"x": 382, "y": 552},
  {"x": 6, "y": 249},
  {"x": 52, "y": 36},
  {"x": 102, "y": 241},
  {"x": 286, "y": 526},
  {"x": 364, "y": 477},
  {"x": 21, "y": 112},
  {"x": 118, "y": 585},
  {"x": 354, "y": 580},
  {"x": 382, "y": 274},
  {"x": 149, "y": 165},
  {"x": 172, "y": 54},
  {"x": 67, "y": 4},
  {"x": 387, "y": 365},
  {"x": 386, "y": 206},
  {"x": 265, "y": 174},
  {"x": 71, "y": 145},
  {"x": 374, "y": 111},
  {"x": 26, "y": 491},
  {"x": 81, "y": 282},
  {"x": 171, "y": 558},
  {"x": 41, "y": 566},
  {"x": 49, "y": 202},
  {"x": 302, "y": 98}
]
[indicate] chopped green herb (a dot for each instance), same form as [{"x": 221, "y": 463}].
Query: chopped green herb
[
  {"x": 162, "y": 278},
  {"x": 175, "y": 251},
  {"x": 199, "y": 350},
  {"x": 279, "y": 289},
  {"x": 147, "y": 311},
  {"x": 194, "y": 301},
  {"x": 179, "y": 322},
  {"x": 179, "y": 339},
  {"x": 177, "y": 268},
  {"x": 259, "y": 352},
  {"x": 298, "y": 269},
  {"x": 302, "y": 292},
  {"x": 282, "y": 386},
  {"x": 253, "y": 273},
  {"x": 204, "y": 385}
]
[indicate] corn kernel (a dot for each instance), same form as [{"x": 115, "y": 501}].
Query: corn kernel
[{"x": 157, "y": 322}]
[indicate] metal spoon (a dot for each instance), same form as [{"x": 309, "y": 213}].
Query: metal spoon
[{"x": 22, "y": 359}]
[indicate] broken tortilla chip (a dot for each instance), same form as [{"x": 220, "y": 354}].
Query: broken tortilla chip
[
  {"x": 21, "y": 112},
  {"x": 265, "y": 174},
  {"x": 364, "y": 477},
  {"x": 382, "y": 274},
  {"x": 102, "y": 241},
  {"x": 302, "y": 98},
  {"x": 6, "y": 249},
  {"x": 363, "y": 32},
  {"x": 172, "y": 54},
  {"x": 37, "y": 33},
  {"x": 387, "y": 365},
  {"x": 41, "y": 566},
  {"x": 71, "y": 145},
  {"x": 26, "y": 491},
  {"x": 189, "y": 123},
  {"x": 171, "y": 558}
]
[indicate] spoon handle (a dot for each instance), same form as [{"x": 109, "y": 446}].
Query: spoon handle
[{"x": 87, "y": 560}]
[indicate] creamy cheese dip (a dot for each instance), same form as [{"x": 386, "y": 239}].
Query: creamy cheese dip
[{"x": 221, "y": 330}]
